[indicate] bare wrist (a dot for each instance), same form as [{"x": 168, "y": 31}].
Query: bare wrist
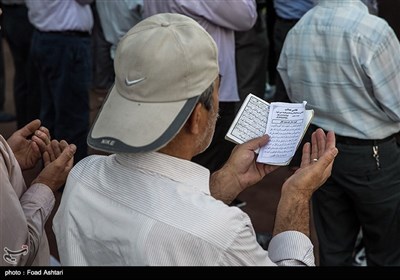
[
  {"x": 293, "y": 213},
  {"x": 224, "y": 185}
]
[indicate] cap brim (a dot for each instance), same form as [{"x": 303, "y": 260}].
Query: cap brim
[{"x": 126, "y": 126}]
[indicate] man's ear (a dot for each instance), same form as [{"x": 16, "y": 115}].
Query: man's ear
[{"x": 195, "y": 120}]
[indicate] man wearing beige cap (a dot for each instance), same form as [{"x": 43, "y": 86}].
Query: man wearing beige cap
[{"x": 147, "y": 203}]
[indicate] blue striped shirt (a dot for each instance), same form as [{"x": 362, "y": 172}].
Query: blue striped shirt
[{"x": 346, "y": 64}]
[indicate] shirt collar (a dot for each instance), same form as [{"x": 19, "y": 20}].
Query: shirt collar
[
  {"x": 180, "y": 170},
  {"x": 341, "y": 3}
]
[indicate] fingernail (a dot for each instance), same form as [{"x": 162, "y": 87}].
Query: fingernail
[{"x": 73, "y": 147}]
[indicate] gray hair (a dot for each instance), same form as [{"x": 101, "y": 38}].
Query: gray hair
[{"x": 206, "y": 97}]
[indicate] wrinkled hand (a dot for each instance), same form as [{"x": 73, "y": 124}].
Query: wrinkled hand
[
  {"x": 293, "y": 211},
  {"x": 240, "y": 171},
  {"x": 312, "y": 174},
  {"x": 242, "y": 163},
  {"x": 28, "y": 144},
  {"x": 58, "y": 161}
]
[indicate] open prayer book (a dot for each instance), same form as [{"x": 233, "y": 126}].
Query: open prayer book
[{"x": 285, "y": 123}]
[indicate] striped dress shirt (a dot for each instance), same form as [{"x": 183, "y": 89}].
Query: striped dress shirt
[{"x": 152, "y": 209}]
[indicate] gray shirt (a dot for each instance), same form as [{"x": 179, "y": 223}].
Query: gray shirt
[{"x": 60, "y": 15}]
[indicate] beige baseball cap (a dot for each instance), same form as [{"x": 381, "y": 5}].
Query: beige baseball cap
[{"x": 162, "y": 66}]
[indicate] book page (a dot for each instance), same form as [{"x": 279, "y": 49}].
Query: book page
[
  {"x": 285, "y": 128},
  {"x": 251, "y": 120}
]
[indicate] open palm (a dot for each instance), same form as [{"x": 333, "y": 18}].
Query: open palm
[{"x": 28, "y": 144}]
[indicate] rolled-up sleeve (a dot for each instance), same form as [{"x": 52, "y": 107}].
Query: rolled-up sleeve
[{"x": 291, "y": 248}]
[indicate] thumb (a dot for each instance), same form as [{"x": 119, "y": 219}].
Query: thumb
[
  {"x": 30, "y": 128},
  {"x": 256, "y": 143},
  {"x": 67, "y": 154}
]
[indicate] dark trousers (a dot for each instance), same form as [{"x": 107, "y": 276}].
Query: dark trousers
[
  {"x": 359, "y": 195},
  {"x": 272, "y": 57},
  {"x": 220, "y": 149},
  {"x": 251, "y": 53},
  {"x": 64, "y": 63},
  {"x": 103, "y": 65},
  {"x": 281, "y": 29},
  {"x": 2, "y": 75},
  {"x": 18, "y": 33}
]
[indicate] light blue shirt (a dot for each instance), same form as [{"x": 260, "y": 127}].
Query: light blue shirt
[
  {"x": 346, "y": 64},
  {"x": 117, "y": 17},
  {"x": 220, "y": 18}
]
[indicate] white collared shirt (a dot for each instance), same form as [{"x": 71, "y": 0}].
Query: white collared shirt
[{"x": 154, "y": 209}]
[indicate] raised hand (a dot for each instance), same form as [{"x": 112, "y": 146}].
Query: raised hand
[
  {"x": 240, "y": 171},
  {"x": 316, "y": 163},
  {"x": 58, "y": 161},
  {"x": 293, "y": 212},
  {"x": 28, "y": 144}
]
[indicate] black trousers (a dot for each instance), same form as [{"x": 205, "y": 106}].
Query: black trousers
[
  {"x": 251, "y": 54},
  {"x": 103, "y": 65},
  {"x": 18, "y": 33},
  {"x": 358, "y": 194},
  {"x": 281, "y": 29},
  {"x": 64, "y": 62}
]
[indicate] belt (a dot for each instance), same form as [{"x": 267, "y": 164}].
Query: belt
[
  {"x": 362, "y": 142},
  {"x": 358, "y": 142},
  {"x": 74, "y": 33},
  {"x": 287, "y": 20}
]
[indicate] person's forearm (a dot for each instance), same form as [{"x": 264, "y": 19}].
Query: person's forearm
[
  {"x": 37, "y": 204},
  {"x": 293, "y": 213},
  {"x": 224, "y": 186},
  {"x": 23, "y": 223}
]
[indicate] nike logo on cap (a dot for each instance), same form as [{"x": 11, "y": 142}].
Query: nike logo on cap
[{"x": 131, "y": 83}]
